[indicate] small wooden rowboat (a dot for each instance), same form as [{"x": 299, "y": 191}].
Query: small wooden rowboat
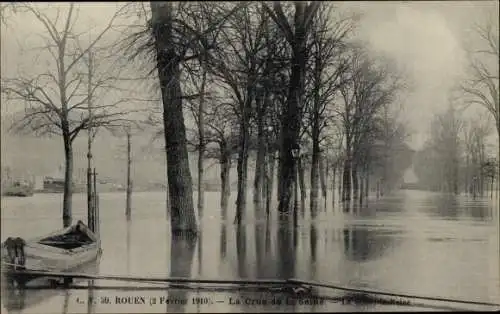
[{"x": 62, "y": 250}]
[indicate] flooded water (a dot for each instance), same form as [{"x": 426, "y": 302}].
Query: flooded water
[{"x": 411, "y": 242}]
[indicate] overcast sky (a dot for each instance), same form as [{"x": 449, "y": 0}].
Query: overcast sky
[{"x": 424, "y": 38}]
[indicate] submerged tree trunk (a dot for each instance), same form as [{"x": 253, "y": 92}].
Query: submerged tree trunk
[
  {"x": 68, "y": 182},
  {"x": 291, "y": 116},
  {"x": 128, "y": 204},
  {"x": 340, "y": 176},
  {"x": 260, "y": 161},
  {"x": 279, "y": 190},
  {"x": 334, "y": 175},
  {"x": 491, "y": 187},
  {"x": 201, "y": 144},
  {"x": 322, "y": 176},
  {"x": 182, "y": 252},
  {"x": 361, "y": 188},
  {"x": 225, "y": 169},
  {"x": 89, "y": 137},
  {"x": 378, "y": 188},
  {"x": 367, "y": 185},
  {"x": 89, "y": 175},
  {"x": 355, "y": 183},
  {"x": 314, "y": 178},
  {"x": 346, "y": 180},
  {"x": 183, "y": 217},
  {"x": 242, "y": 166},
  {"x": 302, "y": 184},
  {"x": 270, "y": 183}
]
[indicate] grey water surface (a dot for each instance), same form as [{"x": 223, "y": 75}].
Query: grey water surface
[{"x": 410, "y": 242}]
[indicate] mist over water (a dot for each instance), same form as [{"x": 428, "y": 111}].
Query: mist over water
[{"x": 411, "y": 242}]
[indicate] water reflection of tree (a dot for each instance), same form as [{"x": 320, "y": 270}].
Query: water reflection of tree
[
  {"x": 260, "y": 253},
  {"x": 449, "y": 206},
  {"x": 480, "y": 211},
  {"x": 443, "y": 205},
  {"x": 313, "y": 242},
  {"x": 223, "y": 242},
  {"x": 182, "y": 248},
  {"x": 200, "y": 253},
  {"x": 128, "y": 245},
  {"x": 264, "y": 256},
  {"x": 91, "y": 306},
  {"x": 13, "y": 299},
  {"x": 241, "y": 250},
  {"x": 364, "y": 244},
  {"x": 287, "y": 244},
  {"x": 200, "y": 264},
  {"x": 66, "y": 302}
]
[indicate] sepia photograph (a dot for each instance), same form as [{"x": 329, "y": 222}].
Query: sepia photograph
[{"x": 251, "y": 156}]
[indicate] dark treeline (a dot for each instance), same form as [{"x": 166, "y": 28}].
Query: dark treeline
[
  {"x": 284, "y": 85},
  {"x": 457, "y": 158}
]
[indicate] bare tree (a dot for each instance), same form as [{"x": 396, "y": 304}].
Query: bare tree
[
  {"x": 222, "y": 131},
  {"x": 369, "y": 87},
  {"x": 296, "y": 34},
  {"x": 197, "y": 107},
  {"x": 175, "y": 41},
  {"x": 437, "y": 165},
  {"x": 56, "y": 100},
  {"x": 327, "y": 65},
  {"x": 475, "y": 132},
  {"x": 237, "y": 64},
  {"x": 482, "y": 85}
]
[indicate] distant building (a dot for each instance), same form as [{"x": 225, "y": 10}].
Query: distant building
[{"x": 38, "y": 184}]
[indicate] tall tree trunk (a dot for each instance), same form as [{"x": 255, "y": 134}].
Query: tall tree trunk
[
  {"x": 455, "y": 177},
  {"x": 322, "y": 175},
  {"x": 491, "y": 187},
  {"x": 270, "y": 183},
  {"x": 201, "y": 143},
  {"x": 346, "y": 180},
  {"x": 378, "y": 188},
  {"x": 183, "y": 217},
  {"x": 89, "y": 137},
  {"x": 68, "y": 182},
  {"x": 367, "y": 183},
  {"x": 355, "y": 181},
  {"x": 225, "y": 164},
  {"x": 466, "y": 178},
  {"x": 313, "y": 201},
  {"x": 242, "y": 166},
  {"x": 361, "y": 188},
  {"x": 89, "y": 177},
  {"x": 291, "y": 114},
  {"x": 302, "y": 184},
  {"x": 279, "y": 190},
  {"x": 334, "y": 176},
  {"x": 128, "y": 206},
  {"x": 169, "y": 205},
  {"x": 265, "y": 179},
  {"x": 340, "y": 177},
  {"x": 315, "y": 156},
  {"x": 260, "y": 161}
]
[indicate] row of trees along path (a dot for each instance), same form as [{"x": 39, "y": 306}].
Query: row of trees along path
[{"x": 281, "y": 82}]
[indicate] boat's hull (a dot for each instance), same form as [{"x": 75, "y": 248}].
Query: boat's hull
[
  {"x": 39, "y": 289},
  {"x": 55, "y": 259},
  {"x": 41, "y": 254}
]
